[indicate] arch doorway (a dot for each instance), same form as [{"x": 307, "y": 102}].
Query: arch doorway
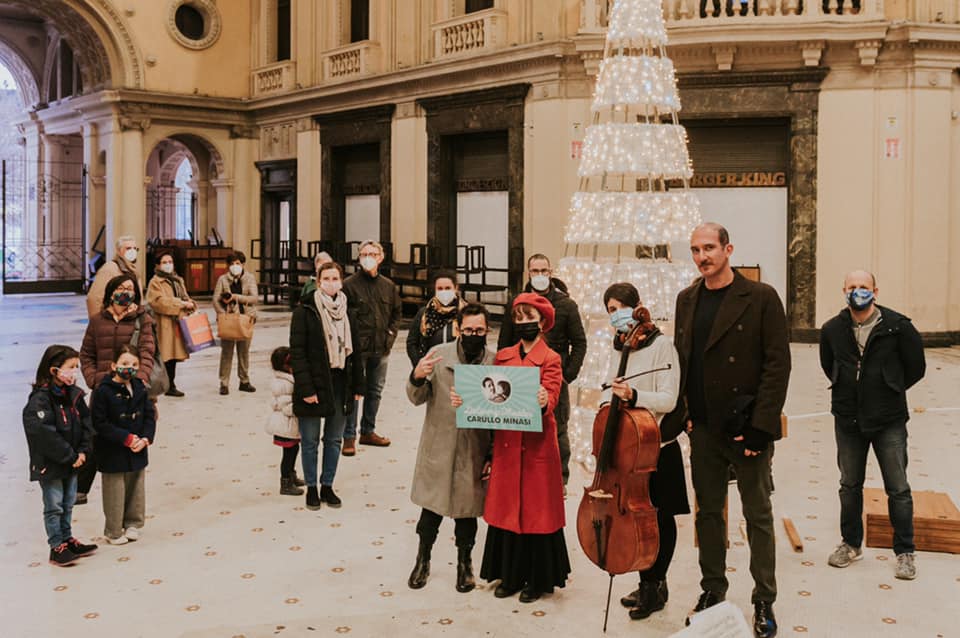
[{"x": 180, "y": 200}]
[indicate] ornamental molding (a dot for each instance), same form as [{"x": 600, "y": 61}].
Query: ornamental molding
[{"x": 212, "y": 23}]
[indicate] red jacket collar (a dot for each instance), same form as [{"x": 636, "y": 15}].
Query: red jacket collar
[{"x": 536, "y": 356}]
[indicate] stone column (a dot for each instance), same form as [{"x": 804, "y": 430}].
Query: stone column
[
  {"x": 409, "y": 178},
  {"x": 96, "y": 201},
  {"x": 308, "y": 188},
  {"x": 203, "y": 211},
  {"x": 224, "y": 222},
  {"x": 126, "y": 210}
]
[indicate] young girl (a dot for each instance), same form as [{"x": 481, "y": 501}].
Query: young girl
[
  {"x": 125, "y": 421},
  {"x": 283, "y": 424},
  {"x": 57, "y": 425}
]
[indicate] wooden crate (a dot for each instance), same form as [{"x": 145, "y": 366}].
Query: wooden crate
[{"x": 936, "y": 521}]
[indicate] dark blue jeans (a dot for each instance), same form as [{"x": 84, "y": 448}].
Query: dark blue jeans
[
  {"x": 332, "y": 429},
  {"x": 375, "y": 371},
  {"x": 58, "y": 498},
  {"x": 890, "y": 448}
]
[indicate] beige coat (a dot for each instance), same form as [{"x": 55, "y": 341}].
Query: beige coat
[
  {"x": 248, "y": 298},
  {"x": 446, "y": 479},
  {"x": 167, "y": 312}
]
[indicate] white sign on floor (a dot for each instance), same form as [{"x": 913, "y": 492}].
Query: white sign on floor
[{"x": 720, "y": 621}]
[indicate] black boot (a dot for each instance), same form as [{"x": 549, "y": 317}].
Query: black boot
[
  {"x": 465, "y": 580},
  {"x": 313, "y": 498},
  {"x": 328, "y": 496},
  {"x": 299, "y": 482},
  {"x": 288, "y": 487},
  {"x": 421, "y": 569},
  {"x": 652, "y": 597}
]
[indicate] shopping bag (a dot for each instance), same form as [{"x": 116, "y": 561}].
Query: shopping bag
[
  {"x": 234, "y": 326},
  {"x": 196, "y": 332}
]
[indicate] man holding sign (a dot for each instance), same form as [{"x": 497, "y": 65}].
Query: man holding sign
[{"x": 451, "y": 462}]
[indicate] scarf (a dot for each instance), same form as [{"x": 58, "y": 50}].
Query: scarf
[
  {"x": 333, "y": 314},
  {"x": 437, "y": 316},
  {"x": 126, "y": 267},
  {"x": 176, "y": 281}
]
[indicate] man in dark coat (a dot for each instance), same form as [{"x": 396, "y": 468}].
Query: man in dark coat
[
  {"x": 567, "y": 339},
  {"x": 731, "y": 335},
  {"x": 374, "y": 302},
  {"x": 872, "y": 355}
]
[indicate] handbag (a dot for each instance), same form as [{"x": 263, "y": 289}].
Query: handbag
[
  {"x": 159, "y": 382},
  {"x": 196, "y": 332},
  {"x": 235, "y": 326}
]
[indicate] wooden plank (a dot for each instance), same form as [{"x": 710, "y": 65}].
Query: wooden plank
[
  {"x": 936, "y": 521},
  {"x": 793, "y": 535}
]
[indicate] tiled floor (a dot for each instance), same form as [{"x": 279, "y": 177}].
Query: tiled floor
[{"x": 223, "y": 554}]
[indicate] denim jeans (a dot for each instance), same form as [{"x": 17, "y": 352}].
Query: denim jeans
[
  {"x": 711, "y": 456},
  {"x": 890, "y": 448},
  {"x": 375, "y": 371},
  {"x": 332, "y": 428},
  {"x": 58, "y": 498}
]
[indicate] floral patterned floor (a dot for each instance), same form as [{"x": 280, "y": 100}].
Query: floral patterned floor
[{"x": 223, "y": 554}]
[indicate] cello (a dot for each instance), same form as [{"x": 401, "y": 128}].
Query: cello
[{"x": 616, "y": 522}]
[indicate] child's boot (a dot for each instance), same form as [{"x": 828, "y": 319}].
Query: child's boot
[{"x": 288, "y": 487}]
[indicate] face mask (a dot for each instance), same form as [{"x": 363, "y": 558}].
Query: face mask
[
  {"x": 473, "y": 345},
  {"x": 127, "y": 373},
  {"x": 167, "y": 268},
  {"x": 330, "y": 288},
  {"x": 622, "y": 319},
  {"x": 368, "y": 263},
  {"x": 859, "y": 298},
  {"x": 236, "y": 270},
  {"x": 122, "y": 298},
  {"x": 131, "y": 254},
  {"x": 67, "y": 377},
  {"x": 540, "y": 282},
  {"x": 528, "y": 331},
  {"x": 446, "y": 296}
]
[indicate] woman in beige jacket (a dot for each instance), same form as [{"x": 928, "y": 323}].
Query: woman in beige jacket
[
  {"x": 168, "y": 298},
  {"x": 236, "y": 291}
]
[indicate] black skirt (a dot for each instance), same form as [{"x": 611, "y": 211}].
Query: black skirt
[{"x": 536, "y": 561}]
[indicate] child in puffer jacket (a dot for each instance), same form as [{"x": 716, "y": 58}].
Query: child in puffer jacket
[{"x": 282, "y": 424}]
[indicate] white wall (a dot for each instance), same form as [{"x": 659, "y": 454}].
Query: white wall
[
  {"x": 363, "y": 217},
  {"x": 757, "y": 221}
]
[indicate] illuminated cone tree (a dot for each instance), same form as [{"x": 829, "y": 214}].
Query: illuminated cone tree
[{"x": 633, "y": 199}]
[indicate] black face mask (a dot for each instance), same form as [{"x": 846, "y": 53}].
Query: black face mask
[
  {"x": 473, "y": 345},
  {"x": 528, "y": 331}
]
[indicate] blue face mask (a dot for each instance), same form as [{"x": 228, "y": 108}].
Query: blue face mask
[
  {"x": 622, "y": 319},
  {"x": 859, "y": 298}
]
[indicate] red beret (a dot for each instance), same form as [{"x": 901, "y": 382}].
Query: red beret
[{"x": 542, "y": 304}]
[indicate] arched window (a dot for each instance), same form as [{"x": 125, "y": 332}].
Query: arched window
[{"x": 186, "y": 200}]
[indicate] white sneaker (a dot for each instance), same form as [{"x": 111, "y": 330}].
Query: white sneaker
[
  {"x": 119, "y": 540},
  {"x": 132, "y": 533},
  {"x": 906, "y": 568}
]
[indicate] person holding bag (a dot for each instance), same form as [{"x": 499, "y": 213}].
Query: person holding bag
[
  {"x": 235, "y": 300},
  {"x": 168, "y": 298}
]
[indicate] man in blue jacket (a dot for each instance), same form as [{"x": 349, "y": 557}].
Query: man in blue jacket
[{"x": 872, "y": 355}]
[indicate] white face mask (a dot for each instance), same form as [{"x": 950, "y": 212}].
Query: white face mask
[
  {"x": 540, "y": 282},
  {"x": 131, "y": 254},
  {"x": 446, "y": 296},
  {"x": 330, "y": 288},
  {"x": 368, "y": 263},
  {"x": 236, "y": 269},
  {"x": 167, "y": 268}
]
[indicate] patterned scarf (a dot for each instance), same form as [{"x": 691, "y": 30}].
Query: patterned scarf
[
  {"x": 333, "y": 314},
  {"x": 437, "y": 316},
  {"x": 176, "y": 281}
]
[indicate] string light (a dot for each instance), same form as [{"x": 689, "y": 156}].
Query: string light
[
  {"x": 639, "y": 149},
  {"x": 633, "y": 149}
]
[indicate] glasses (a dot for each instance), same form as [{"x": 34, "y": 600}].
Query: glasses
[{"x": 474, "y": 332}]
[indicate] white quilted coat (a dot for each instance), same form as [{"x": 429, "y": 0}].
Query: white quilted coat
[{"x": 281, "y": 421}]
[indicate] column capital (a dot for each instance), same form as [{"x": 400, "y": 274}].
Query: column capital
[{"x": 222, "y": 184}]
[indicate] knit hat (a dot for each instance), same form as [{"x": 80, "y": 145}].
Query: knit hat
[{"x": 542, "y": 304}]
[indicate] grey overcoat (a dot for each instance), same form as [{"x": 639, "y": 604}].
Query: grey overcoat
[{"x": 446, "y": 479}]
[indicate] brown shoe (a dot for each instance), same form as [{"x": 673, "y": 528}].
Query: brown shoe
[
  {"x": 349, "y": 447},
  {"x": 374, "y": 439}
]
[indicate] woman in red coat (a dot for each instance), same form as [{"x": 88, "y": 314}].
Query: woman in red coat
[{"x": 525, "y": 547}]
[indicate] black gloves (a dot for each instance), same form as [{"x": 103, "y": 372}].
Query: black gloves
[{"x": 756, "y": 440}]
